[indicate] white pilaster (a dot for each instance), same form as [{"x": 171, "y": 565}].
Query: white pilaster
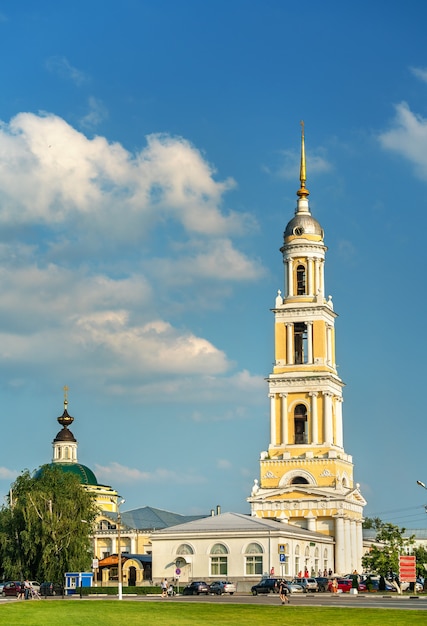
[
  {"x": 289, "y": 344},
  {"x": 284, "y": 398},
  {"x": 339, "y": 546},
  {"x": 328, "y": 434},
  {"x": 314, "y": 418},
  {"x": 273, "y": 420},
  {"x": 309, "y": 342},
  {"x": 290, "y": 281},
  {"x": 338, "y": 422},
  {"x": 310, "y": 277}
]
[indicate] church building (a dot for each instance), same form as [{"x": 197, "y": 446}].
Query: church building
[{"x": 306, "y": 476}]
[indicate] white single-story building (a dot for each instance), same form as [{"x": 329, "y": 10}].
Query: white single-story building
[{"x": 240, "y": 548}]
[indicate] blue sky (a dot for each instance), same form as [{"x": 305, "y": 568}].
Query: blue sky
[{"x": 148, "y": 167}]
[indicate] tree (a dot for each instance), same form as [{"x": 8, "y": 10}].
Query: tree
[
  {"x": 45, "y": 528},
  {"x": 384, "y": 557}
]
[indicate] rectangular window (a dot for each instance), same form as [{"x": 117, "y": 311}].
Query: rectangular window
[
  {"x": 218, "y": 565},
  {"x": 254, "y": 565}
]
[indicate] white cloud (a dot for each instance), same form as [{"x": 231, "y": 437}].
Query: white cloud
[
  {"x": 220, "y": 261},
  {"x": 316, "y": 163},
  {"x": 62, "y": 67},
  {"x": 420, "y": 72},
  {"x": 120, "y": 474},
  {"x": 224, "y": 464},
  {"x": 407, "y": 137},
  {"x": 83, "y": 282},
  {"x": 8, "y": 474},
  {"x": 97, "y": 113},
  {"x": 52, "y": 174}
]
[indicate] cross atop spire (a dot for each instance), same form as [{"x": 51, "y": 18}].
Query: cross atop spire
[
  {"x": 302, "y": 192},
  {"x": 66, "y": 389}
]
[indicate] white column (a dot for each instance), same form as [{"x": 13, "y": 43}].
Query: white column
[
  {"x": 290, "y": 278},
  {"x": 328, "y": 344},
  {"x": 314, "y": 418},
  {"x": 284, "y": 397},
  {"x": 349, "y": 567},
  {"x": 338, "y": 422},
  {"x": 289, "y": 344},
  {"x": 316, "y": 277},
  {"x": 310, "y": 277},
  {"x": 322, "y": 277},
  {"x": 339, "y": 546},
  {"x": 133, "y": 544},
  {"x": 359, "y": 544},
  {"x": 113, "y": 545},
  {"x": 310, "y": 342},
  {"x": 273, "y": 419},
  {"x": 327, "y": 408}
]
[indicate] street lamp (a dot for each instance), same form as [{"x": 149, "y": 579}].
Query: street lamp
[
  {"x": 119, "y": 549},
  {"x": 421, "y": 484}
]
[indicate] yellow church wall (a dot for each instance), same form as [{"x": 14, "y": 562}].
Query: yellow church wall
[
  {"x": 280, "y": 341},
  {"x": 319, "y": 339}
]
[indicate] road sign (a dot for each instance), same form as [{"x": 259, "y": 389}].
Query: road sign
[
  {"x": 177, "y": 571},
  {"x": 282, "y": 558},
  {"x": 281, "y": 547}
]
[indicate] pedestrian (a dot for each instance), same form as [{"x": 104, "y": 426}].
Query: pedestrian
[
  {"x": 164, "y": 586},
  {"x": 330, "y": 572},
  {"x": 306, "y": 574},
  {"x": 284, "y": 592},
  {"x": 335, "y": 586},
  {"x": 27, "y": 588}
]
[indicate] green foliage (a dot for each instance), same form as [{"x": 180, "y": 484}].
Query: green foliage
[
  {"x": 42, "y": 534},
  {"x": 372, "y": 522},
  {"x": 384, "y": 557},
  {"x": 421, "y": 556}
]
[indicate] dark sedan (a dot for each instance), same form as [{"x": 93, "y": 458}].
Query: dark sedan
[
  {"x": 196, "y": 588},
  {"x": 265, "y": 586}
]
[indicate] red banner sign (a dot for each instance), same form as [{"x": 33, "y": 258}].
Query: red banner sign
[{"x": 408, "y": 568}]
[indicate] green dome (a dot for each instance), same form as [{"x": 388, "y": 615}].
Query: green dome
[{"x": 83, "y": 473}]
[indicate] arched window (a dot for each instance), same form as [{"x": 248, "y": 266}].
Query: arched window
[
  {"x": 300, "y": 343},
  {"x": 300, "y": 424},
  {"x": 301, "y": 290},
  {"x": 253, "y": 558},
  {"x": 325, "y": 561},
  {"x": 184, "y": 548},
  {"x": 219, "y": 560}
]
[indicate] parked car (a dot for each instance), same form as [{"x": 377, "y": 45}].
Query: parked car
[
  {"x": 322, "y": 583},
  {"x": 294, "y": 587},
  {"x": 12, "y": 588},
  {"x": 266, "y": 585},
  {"x": 345, "y": 584},
  {"x": 405, "y": 586},
  {"x": 219, "y": 587},
  {"x": 50, "y": 589},
  {"x": 309, "y": 584},
  {"x": 196, "y": 588}
]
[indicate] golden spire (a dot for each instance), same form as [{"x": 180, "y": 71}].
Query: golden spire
[
  {"x": 302, "y": 191},
  {"x": 65, "y": 396}
]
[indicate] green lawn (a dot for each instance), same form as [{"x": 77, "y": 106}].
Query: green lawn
[{"x": 106, "y": 612}]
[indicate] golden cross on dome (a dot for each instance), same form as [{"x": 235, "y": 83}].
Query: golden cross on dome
[{"x": 65, "y": 394}]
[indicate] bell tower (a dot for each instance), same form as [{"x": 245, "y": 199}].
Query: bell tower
[{"x": 306, "y": 477}]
